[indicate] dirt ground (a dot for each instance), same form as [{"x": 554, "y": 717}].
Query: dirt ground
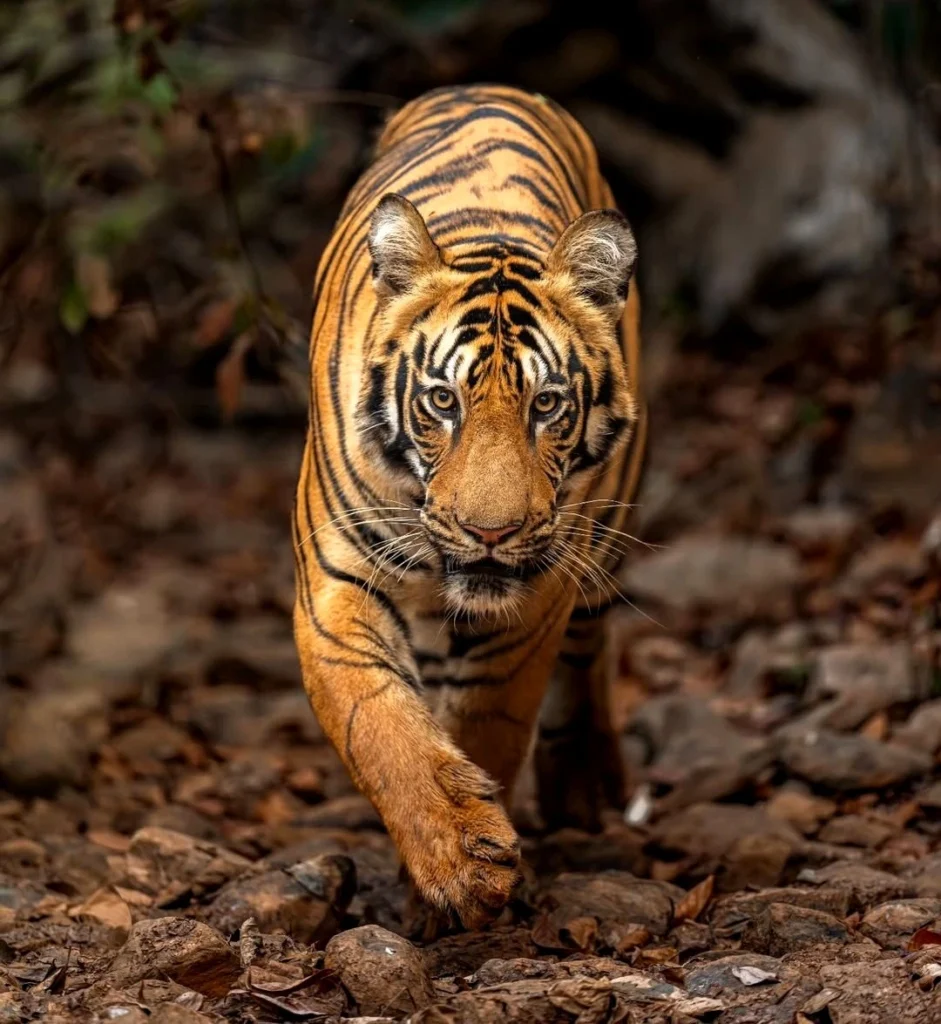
[{"x": 179, "y": 844}]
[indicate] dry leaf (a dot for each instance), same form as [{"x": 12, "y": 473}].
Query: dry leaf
[
  {"x": 113, "y": 841},
  {"x": 230, "y": 375},
  {"x": 214, "y": 322},
  {"x": 820, "y": 1001},
  {"x": 698, "y": 1006},
  {"x": 580, "y": 933},
  {"x": 134, "y": 897},
  {"x": 655, "y": 955},
  {"x": 106, "y": 906},
  {"x": 622, "y": 938},
  {"x": 693, "y": 903},
  {"x": 94, "y": 277},
  {"x": 924, "y": 937},
  {"x": 753, "y": 975},
  {"x": 877, "y": 727}
]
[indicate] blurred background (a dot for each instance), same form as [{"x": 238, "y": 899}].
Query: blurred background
[{"x": 169, "y": 173}]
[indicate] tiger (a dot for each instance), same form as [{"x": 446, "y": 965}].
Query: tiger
[{"x": 476, "y": 434}]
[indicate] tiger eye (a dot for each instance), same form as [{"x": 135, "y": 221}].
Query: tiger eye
[
  {"x": 443, "y": 399},
  {"x": 546, "y": 402}
]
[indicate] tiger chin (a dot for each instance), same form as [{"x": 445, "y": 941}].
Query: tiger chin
[{"x": 476, "y": 436}]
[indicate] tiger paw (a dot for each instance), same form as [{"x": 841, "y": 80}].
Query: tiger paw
[{"x": 461, "y": 851}]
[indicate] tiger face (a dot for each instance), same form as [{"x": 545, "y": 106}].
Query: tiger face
[{"x": 496, "y": 389}]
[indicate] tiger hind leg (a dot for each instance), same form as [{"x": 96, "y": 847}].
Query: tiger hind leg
[{"x": 579, "y": 769}]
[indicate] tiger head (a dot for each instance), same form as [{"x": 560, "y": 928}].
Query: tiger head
[{"x": 496, "y": 388}]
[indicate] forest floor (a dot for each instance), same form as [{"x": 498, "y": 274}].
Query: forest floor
[{"x": 179, "y": 844}]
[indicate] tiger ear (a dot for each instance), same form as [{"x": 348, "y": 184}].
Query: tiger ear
[
  {"x": 401, "y": 248},
  {"x": 597, "y": 252}
]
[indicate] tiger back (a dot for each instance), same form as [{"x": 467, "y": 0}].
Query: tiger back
[{"x": 476, "y": 435}]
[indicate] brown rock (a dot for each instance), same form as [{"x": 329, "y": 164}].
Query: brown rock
[
  {"x": 173, "y": 865},
  {"x": 893, "y": 924},
  {"x": 173, "y": 1013},
  {"x": 801, "y": 809},
  {"x": 605, "y": 899},
  {"x": 741, "y": 845},
  {"x": 923, "y": 877},
  {"x": 185, "y": 951},
  {"x": 923, "y": 729},
  {"x": 732, "y": 914},
  {"x": 49, "y": 740},
  {"x": 857, "y": 830},
  {"x": 866, "y": 886},
  {"x": 382, "y": 972},
  {"x": 873, "y": 993},
  {"x": 306, "y": 901},
  {"x": 462, "y": 954},
  {"x": 847, "y": 762},
  {"x": 782, "y": 929}
]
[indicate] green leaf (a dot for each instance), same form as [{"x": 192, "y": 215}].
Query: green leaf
[
  {"x": 160, "y": 93},
  {"x": 73, "y": 309}
]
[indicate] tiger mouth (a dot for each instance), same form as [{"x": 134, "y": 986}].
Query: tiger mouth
[{"x": 488, "y": 569}]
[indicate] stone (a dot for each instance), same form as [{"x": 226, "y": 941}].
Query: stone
[
  {"x": 847, "y": 762},
  {"x": 185, "y": 951},
  {"x": 175, "y": 866},
  {"x": 802, "y": 809},
  {"x": 922, "y": 731},
  {"x": 893, "y": 924},
  {"x": 690, "y": 748},
  {"x": 50, "y": 738},
  {"x": 706, "y": 571},
  {"x": 608, "y": 898},
  {"x": 383, "y": 972},
  {"x": 306, "y": 901},
  {"x": 782, "y": 929},
  {"x": 733, "y": 913},
  {"x": 741, "y": 845},
  {"x": 857, "y": 830},
  {"x": 870, "y": 993},
  {"x": 861, "y": 679},
  {"x": 866, "y": 886}
]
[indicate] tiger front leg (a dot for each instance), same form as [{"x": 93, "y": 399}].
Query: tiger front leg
[
  {"x": 454, "y": 838},
  {"x": 579, "y": 768}
]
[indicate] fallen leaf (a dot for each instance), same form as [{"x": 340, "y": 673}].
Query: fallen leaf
[
  {"x": 230, "y": 375},
  {"x": 134, "y": 897},
  {"x": 106, "y": 906},
  {"x": 250, "y": 943},
  {"x": 580, "y": 933},
  {"x": 109, "y": 840},
  {"x": 819, "y": 1002},
  {"x": 623, "y": 938},
  {"x": 692, "y": 904},
  {"x": 214, "y": 322},
  {"x": 587, "y": 999},
  {"x": 699, "y": 1006},
  {"x": 924, "y": 937},
  {"x": 877, "y": 727},
  {"x": 753, "y": 975},
  {"x": 320, "y": 981},
  {"x": 654, "y": 956},
  {"x": 93, "y": 274}
]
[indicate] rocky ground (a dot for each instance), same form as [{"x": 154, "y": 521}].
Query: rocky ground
[{"x": 178, "y": 843}]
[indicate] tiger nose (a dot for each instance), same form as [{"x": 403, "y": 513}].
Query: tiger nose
[{"x": 490, "y": 535}]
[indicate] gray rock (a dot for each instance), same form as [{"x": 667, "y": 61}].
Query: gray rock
[
  {"x": 708, "y": 571},
  {"x": 861, "y": 679},
  {"x": 846, "y": 762}
]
